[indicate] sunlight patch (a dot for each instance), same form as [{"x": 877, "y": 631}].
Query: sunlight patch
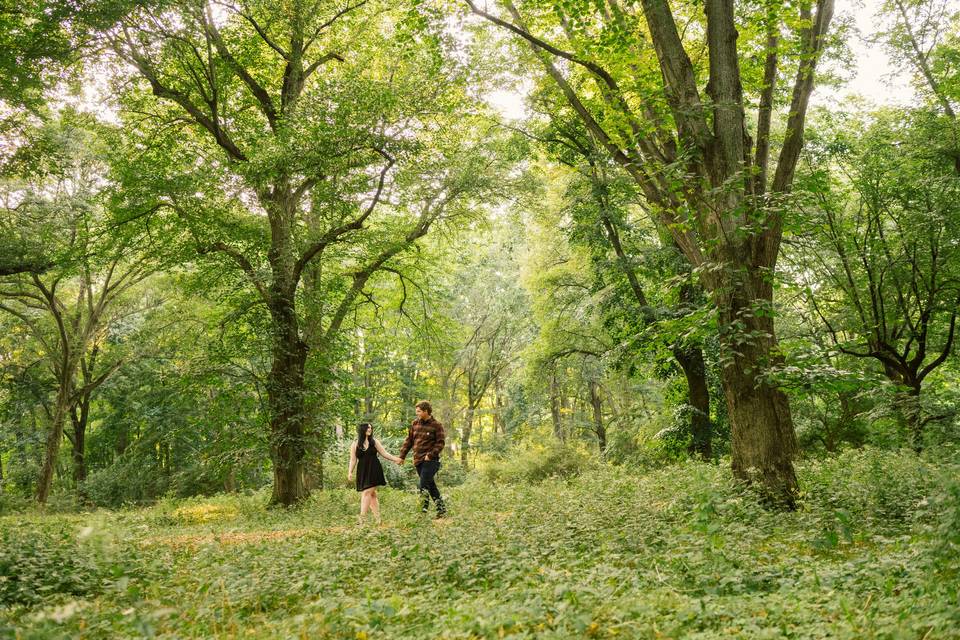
[
  {"x": 229, "y": 538},
  {"x": 201, "y": 513}
]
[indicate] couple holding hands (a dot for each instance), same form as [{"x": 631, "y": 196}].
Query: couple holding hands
[{"x": 425, "y": 437}]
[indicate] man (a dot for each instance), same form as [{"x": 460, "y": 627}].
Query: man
[{"x": 426, "y": 437}]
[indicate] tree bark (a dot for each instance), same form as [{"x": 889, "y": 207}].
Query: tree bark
[
  {"x": 285, "y": 398},
  {"x": 54, "y": 437},
  {"x": 762, "y": 434},
  {"x": 911, "y": 413}
]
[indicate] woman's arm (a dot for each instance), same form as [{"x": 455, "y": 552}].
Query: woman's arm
[
  {"x": 353, "y": 461},
  {"x": 386, "y": 454}
]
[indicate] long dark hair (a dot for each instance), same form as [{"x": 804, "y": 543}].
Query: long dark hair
[{"x": 362, "y": 433}]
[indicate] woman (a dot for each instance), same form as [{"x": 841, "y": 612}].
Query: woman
[{"x": 363, "y": 458}]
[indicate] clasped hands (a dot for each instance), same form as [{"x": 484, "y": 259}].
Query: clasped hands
[{"x": 403, "y": 460}]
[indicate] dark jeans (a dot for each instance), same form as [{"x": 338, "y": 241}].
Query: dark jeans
[{"x": 427, "y": 470}]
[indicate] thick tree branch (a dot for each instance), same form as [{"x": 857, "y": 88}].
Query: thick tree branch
[
  {"x": 327, "y": 57},
  {"x": 814, "y": 39},
  {"x": 241, "y": 260},
  {"x": 56, "y": 310},
  {"x": 360, "y": 278},
  {"x": 947, "y": 347},
  {"x": 726, "y": 152},
  {"x": 261, "y": 95},
  {"x": 767, "y": 245},
  {"x": 25, "y": 266},
  {"x": 96, "y": 382},
  {"x": 128, "y": 50},
  {"x": 260, "y": 30},
  {"x": 765, "y": 111},
  {"x": 354, "y": 225},
  {"x": 680, "y": 83}
]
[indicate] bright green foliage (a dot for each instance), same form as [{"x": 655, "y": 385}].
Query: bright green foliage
[
  {"x": 540, "y": 462},
  {"x": 876, "y": 259},
  {"x": 677, "y": 553},
  {"x": 56, "y": 560},
  {"x": 33, "y": 41},
  {"x": 486, "y": 279}
]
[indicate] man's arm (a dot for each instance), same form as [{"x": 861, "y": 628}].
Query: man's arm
[
  {"x": 439, "y": 438},
  {"x": 405, "y": 447}
]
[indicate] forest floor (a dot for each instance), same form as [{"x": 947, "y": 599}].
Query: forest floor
[{"x": 674, "y": 553}]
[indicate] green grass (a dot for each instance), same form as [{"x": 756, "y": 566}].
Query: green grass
[{"x": 677, "y": 553}]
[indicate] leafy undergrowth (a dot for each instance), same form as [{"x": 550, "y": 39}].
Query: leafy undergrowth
[{"x": 678, "y": 553}]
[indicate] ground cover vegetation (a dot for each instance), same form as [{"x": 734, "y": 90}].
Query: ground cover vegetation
[
  {"x": 687, "y": 313},
  {"x": 678, "y": 552}
]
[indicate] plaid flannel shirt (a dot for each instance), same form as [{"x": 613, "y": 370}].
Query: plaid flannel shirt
[{"x": 426, "y": 438}]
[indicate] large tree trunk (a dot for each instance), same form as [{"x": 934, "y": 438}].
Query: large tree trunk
[
  {"x": 763, "y": 438},
  {"x": 55, "y": 435},
  {"x": 715, "y": 147},
  {"x": 285, "y": 394},
  {"x": 286, "y": 385},
  {"x": 911, "y": 412},
  {"x": 698, "y": 397}
]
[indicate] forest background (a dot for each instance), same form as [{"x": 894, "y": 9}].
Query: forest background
[{"x": 628, "y": 251}]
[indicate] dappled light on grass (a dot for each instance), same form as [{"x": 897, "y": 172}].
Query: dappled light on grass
[
  {"x": 259, "y": 537},
  {"x": 205, "y": 513},
  {"x": 227, "y": 538}
]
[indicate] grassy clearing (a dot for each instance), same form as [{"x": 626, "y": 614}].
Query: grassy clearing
[{"x": 678, "y": 553}]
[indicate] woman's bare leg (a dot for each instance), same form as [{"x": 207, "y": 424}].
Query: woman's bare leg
[
  {"x": 375, "y": 505},
  {"x": 364, "y": 505}
]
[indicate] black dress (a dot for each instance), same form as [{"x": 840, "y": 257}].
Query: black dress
[{"x": 369, "y": 471}]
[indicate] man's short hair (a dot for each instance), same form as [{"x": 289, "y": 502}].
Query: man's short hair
[{"x": 426, "y": 406}]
